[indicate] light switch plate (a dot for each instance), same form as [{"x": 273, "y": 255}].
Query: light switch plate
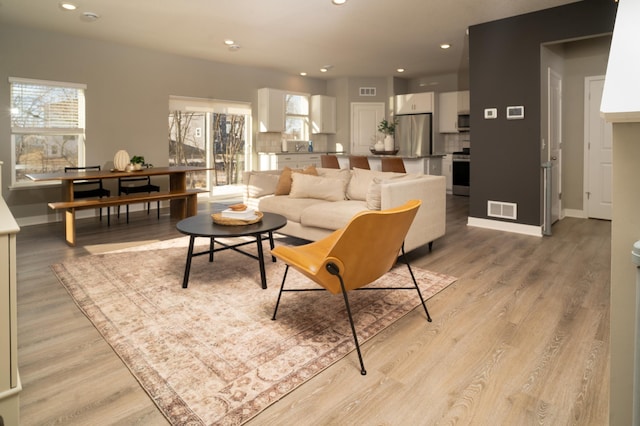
[{"x": 490, "y": 113}]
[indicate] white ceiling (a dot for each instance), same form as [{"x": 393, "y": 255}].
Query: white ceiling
[{"x": 361, "y": 38}]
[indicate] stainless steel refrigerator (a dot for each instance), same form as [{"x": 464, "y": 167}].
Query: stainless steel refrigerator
[{"x": 414, "y": 136}]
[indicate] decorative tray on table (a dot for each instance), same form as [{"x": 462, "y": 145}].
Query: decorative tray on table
[
  {"x": 394, "y": 152},
  {"x": 221, "y": 220}
]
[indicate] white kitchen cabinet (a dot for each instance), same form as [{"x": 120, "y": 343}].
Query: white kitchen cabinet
[
  {"x": 9, "y": 380},
  {"x": 270, "y": 110},
  {"x": 271, "y": 161},
  {"x": 447, "y": 171},
  {"x": 415, "y": 103},
  {"x": 323, "y": 114},
  {"x": 450, "y": 104}
]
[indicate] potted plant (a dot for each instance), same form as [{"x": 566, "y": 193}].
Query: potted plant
[
  {"x": 388, "y": 129},
  {"x": 137, "y": 161}
]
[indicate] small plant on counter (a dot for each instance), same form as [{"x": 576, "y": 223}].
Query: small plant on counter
[{"x": 386, "y": 127}]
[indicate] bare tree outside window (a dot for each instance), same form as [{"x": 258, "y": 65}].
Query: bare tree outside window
[
  {"x": 229, "y": 144},
  {"x": 186, "y": 147}
]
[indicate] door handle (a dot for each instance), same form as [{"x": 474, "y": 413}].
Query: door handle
[{"x": 554, "y": 158}]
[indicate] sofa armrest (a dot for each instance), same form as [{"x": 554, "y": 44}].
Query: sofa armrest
[{"x": 430, "y": 221}]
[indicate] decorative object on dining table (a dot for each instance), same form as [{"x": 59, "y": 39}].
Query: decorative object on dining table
[
  {"x": 137, "y": 161},
  {"x": 121, "y": 160},
  {"x": 223, "y": 218}
]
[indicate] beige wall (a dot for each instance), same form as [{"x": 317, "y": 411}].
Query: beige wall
[
  {"x": 581, "y": 59},
  {"x": 127, "y": 95},
  {"x": 625, "y": 231}
]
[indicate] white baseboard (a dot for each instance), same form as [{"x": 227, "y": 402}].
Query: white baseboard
[
  {"x": 499, "y": 225},
  {"x": 580, "y": 214}
]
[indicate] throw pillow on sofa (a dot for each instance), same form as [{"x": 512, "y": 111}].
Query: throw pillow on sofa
[
  {"x": 284, "y": 182},
  {"x": 318, "y": 187},
  {"x": 261, "y": 184},
  {"x": 361, "y": 180}
]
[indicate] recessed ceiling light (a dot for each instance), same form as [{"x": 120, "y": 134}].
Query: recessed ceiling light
[
  {"x": 400, "y": 70},
  {"x": 326, "y": 68},
  {"x": 303, "y": 73},
  {"x": 338, "y": 2},
  {"x": 445, "y": 46},
  {"x": 68, "y": 6},
  {"x": 229, "y": 42}
]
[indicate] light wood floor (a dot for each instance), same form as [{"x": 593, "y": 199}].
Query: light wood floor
[{"x": 521, "y": 338}]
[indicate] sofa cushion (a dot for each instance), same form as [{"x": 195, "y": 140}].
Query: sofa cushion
[
  {"x": 291, "y": 208},
  {"x": 374, "y": 197},
  {"x": 322, "y": 188},
  {"x": 284, "y": 182},
  {"x": 261, "y": 184},
  {"x": 332, "y": 215},
  {"x": 344, "y": 174},
  {"x": 361, "y": 180}
]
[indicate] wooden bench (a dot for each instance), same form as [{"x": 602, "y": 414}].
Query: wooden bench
[{"x": 179, "y": 210}]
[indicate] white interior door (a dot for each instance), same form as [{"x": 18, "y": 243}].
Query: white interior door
[
  {"x": 598, "y": 153},
  {"x": 365, "y": 117},
  {"x": 555, "y": 142}
]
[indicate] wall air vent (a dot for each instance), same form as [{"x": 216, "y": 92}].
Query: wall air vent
[
  {"x": 367, "y": 91},
  {"x": 502, "y": 210}
]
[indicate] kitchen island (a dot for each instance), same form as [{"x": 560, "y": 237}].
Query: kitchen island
[{"x": 428, "y": 165}]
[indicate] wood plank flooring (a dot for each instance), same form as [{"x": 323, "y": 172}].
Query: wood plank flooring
[{"x": 521, "y": 338}]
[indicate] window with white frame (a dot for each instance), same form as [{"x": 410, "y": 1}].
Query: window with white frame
[
  {"x": 47, "y": 127},
  {"x": 296, "y": 110}
]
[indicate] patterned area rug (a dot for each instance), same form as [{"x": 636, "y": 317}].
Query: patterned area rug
[{"x": 210, "y": 354}]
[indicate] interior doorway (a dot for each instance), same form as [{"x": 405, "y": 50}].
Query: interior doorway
[
  {"x": 598, "y": 152},
  {"x": 555, "y": 143}
]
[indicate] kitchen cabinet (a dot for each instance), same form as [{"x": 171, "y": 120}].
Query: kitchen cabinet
[
  {"x": 450, "y": 104},
  {"x": 447, "y": 171},
  {"x": 323, "y": 114},
  {"x": 415, "y": 103},
  {"x": 272, "y": 161},
  {"x": 270, "y": 110},
  {"x": 10, "y": 385}
]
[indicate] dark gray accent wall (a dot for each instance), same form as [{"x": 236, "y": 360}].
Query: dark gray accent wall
[{"x": 504, "y": 63}]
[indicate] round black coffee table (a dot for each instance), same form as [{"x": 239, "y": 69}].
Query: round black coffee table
[{"x": 202, "y": 225}]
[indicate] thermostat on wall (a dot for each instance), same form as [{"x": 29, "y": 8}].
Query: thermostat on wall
[
  {"x": 515, "y": 112},
  {"x": 490, "y": 113}
]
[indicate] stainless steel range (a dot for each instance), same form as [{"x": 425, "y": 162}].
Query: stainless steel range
[{"x": 460, "y": 170}]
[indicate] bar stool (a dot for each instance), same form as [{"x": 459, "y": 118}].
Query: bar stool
[
  {"x": 329, "y": 161},
  {"x": 358, "y": 162},
  {"x": 393, "y": 164}
]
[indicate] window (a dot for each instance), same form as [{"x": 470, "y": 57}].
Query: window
[
  {"x": 296, "y": 110},
  {"x": 47, "y": 127},
  {"x": 211, "y": 133}
]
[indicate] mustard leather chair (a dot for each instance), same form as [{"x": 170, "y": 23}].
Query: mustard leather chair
[{"x": 354, "y": 256}]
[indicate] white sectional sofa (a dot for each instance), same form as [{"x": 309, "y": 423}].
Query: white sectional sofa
[{"x": 318, "y": 201}]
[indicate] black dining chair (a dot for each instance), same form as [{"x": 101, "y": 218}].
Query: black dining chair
[
  {"x": 89, "y": 188},
  {"x": 136, "y": 185}
]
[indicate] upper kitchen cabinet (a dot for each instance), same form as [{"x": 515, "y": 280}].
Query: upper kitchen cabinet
[
  {"x": 450, "y": 105},
  {"x": 270, "y": 110},
  {"x": 414, "y": 103},
  {"x": 323, "y": 114}
]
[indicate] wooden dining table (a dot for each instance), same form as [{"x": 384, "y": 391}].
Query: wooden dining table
[{"x": 179, "y": 206}]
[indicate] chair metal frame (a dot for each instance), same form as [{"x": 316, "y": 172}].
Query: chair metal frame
[
  {"x": 332, "y": 266},
  {"x": 100, "y": 191},
  {"x": 148, "y": 188}
]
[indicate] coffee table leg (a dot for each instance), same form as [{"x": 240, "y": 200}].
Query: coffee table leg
[
  {"x": 263, "y": 274},
  {"x": 211, "y": 245},
  {"x": 187, "y": 268},
  {"x": 273, "y": 258}
]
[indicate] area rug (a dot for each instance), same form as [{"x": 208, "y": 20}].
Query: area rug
[{"x": 210, "y": 354}]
